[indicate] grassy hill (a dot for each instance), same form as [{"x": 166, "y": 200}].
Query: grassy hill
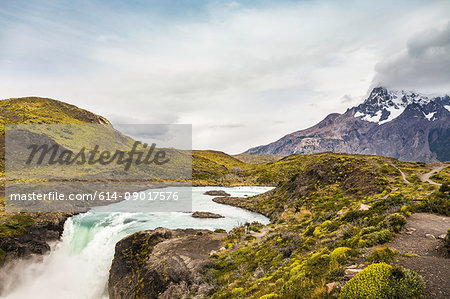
[
  {"x": 334, "y": 210},
  {"x": 257, "y": 159}
]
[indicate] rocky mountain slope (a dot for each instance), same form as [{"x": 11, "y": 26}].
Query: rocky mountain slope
[{"x": 403, "y": 125}]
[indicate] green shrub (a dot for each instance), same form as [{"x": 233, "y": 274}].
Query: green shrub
[
  {"x": 406, "y": 211},
  {"x": 395, "y": 222},
  {"x": 382, "y": 255},
  {"x": 439, "y": 205},
  {"x": 378, "y": 237},
  {"x": 368, "y": 230},
  {"x": 220, "y": 230},
  {"x": 379, "y": 281},
  {"x": 342, "y": 254},
  {"x": 254, "y": 226},
  {"x": 270, "y": 296}
]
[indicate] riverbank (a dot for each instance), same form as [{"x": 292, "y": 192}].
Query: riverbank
[{"x": 87, "y": 247}]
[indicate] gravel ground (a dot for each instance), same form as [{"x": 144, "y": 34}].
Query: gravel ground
[{"x": 421, "y": 237}]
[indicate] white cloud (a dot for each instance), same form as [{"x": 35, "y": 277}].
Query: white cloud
[{"x": 242, "y": 75}]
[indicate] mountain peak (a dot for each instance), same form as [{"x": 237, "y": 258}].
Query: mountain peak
[
  {"x": 406, "y": 125},
  {"x": 383, "y": 105}
]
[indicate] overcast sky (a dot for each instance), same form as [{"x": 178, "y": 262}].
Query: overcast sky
[{"x": 242, "y": 73}]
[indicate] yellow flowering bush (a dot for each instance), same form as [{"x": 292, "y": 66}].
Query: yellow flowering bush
[
  {"x": 342, "y": 254},
  {"x": 383, "y": 281}
]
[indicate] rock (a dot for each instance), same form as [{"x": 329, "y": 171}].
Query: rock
[
  {"x": 363, "y": 207},
  {"x": 351, "y": 133},
  {"x": 206, "y": 215},
  {"x": 34, "y": 240},
  {"x": 216, "y": 193},
  {"x": 442, "y": 237},
  {"x": 410, "y": 230},
  {"x": 430, "y": 236},
  {"x": 162, "y": 263},
  {"x": 352, "y": 271},
  {"x": 330, "y": 286},
  {"x": 341, "y": 213}
]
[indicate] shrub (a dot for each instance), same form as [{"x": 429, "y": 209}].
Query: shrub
[
  {"x": 237, "y": 291},
  {"x": 409, "y": 284},
  {"x": 270, "y": 296},
  {"x": 382, "y": 255},
  {"x": 395, "y": 222},
  {"x": 220, "y": 230},
  {"x": 342, "y": 254},
  {"x": 254, "y": 226},
  {"x": 406, "y": 211},
  {"x": 383, "y": 281},
  {"x": 379, "y": 237},
  {"x": 438, "y": 205}
]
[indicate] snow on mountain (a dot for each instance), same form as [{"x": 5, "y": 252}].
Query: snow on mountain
[
  {"x": 408, "y": 126},
  {"x": 384, "y": 105}
]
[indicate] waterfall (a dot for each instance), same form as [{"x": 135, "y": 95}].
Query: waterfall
[{"x": 78, "y": 265}]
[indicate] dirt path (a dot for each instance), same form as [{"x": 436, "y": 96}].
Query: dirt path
[
  {"x": 421, "y": 237},
  {"x": 402, "y": 173},
  {"x": 436, "y": 168},
  {"x": 261, "y": 234}
]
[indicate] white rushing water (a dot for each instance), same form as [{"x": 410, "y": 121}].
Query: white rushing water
[{"x": 78, "y": 265}]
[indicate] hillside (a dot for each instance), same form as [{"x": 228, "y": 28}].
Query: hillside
[
  {"x": 330, "y": 221},
  {"x": 332, "y": 217},
  {"x": 403, "y": 125},
  {"x": 257, "y": 159}
]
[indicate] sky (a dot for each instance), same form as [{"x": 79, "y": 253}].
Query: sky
[{"x": 243, "y": 73}]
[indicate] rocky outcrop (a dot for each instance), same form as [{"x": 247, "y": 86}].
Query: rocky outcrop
[
  {"x": 216, "y": 193},
  {"x": 162, "y": 263},
  {"x": 198, "y": 214},
  {"x": 32, "y": 239},
  {"x": 403, "y": 125}
]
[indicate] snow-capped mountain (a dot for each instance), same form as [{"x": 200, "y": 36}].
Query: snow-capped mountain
[
  {"x": 384, "y": 105},
  {"x": 401, "y": 124}
]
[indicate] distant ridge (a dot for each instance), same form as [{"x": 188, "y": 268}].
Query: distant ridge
[{"x": 404, "y": 125}]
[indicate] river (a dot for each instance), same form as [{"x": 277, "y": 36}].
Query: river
[{"x": 78, "y": 265}]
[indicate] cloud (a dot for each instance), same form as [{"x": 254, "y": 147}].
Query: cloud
[
  {"x": 424, "y": 65},
  {"x": 243, "y": 74}
]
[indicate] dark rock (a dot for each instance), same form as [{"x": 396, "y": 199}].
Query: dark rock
[
  {"x": 216, "y": 193},
  {"x": 206, "y": 215},
  {"x": 162, "y": 263},
  {"x": 34, "y": 239}
]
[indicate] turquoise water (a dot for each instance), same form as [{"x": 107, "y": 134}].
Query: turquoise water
[{"x": 78, "y": 265}]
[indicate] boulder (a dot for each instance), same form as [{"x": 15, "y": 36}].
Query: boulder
[
  {"x": 163, "y": 263},
  {"x": 216, "y": 193},
  {"x": 198, "y": 214}
]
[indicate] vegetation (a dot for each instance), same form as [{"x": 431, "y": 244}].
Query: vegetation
[
  {"x": 258, "y": 159},
  {"x": 381, "y": 280},
  {"x": 326, "y": 210},
  {"x": 318, "y": 226},
  {"x": 382, "y": 255}
]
